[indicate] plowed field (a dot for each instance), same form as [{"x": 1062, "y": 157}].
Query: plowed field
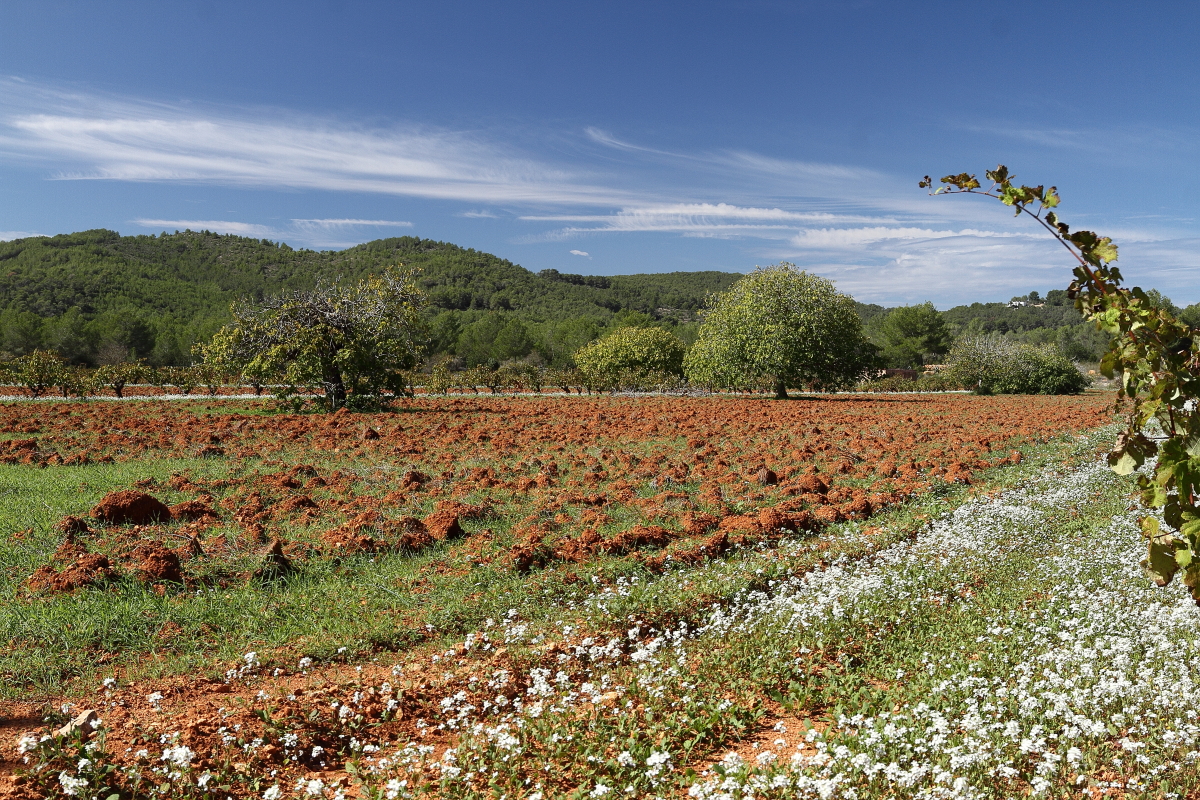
[{"x": 204, "y": 530}]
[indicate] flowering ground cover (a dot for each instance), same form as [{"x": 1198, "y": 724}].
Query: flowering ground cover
[{"x": 591, "y": 596}]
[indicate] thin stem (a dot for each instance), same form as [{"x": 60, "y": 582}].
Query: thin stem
[{"x": 1053, "y": 231}]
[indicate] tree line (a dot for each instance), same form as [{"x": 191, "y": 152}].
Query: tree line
[{"x": 98, "y": 298}]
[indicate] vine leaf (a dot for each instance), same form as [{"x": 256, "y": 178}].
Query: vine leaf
[{"x": 1162, "y": 560}]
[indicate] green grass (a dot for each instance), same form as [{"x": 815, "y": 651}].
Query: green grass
[
  {"x": 62, "y": 644},
  {"x": 1013, "y": 649}
]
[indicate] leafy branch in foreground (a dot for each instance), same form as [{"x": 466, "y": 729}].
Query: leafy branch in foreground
[{"x": 1160, "y": 373}]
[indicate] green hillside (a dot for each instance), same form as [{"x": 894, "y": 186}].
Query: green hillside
[
  {"x": 98, "y": 297},
  {"x": 95, "y": 294}
]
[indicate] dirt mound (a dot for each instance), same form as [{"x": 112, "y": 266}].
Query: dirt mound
[
  {"x": 579, "y": 549},
  {"x": 413, "y": 479},
  {"x": 637, "y": 536},
  {"x": 858, "y": 508},
  {"x": 714, "y": 546},
  {"x": 156, "y": 563},
  {"x": 768, "y": 522},
  {"x": 88, "y": 569},
  {"x": 811, "y": 484},
  {"x": 72, "y": 526},
  {"x": 193, "y": 511},
  {"x": 443, "y": 524},
  {"x": 275, "y": 563},
  {"x": 349, "y": 540},
  {"x": 695, "y": 523},
  {"x": 529, "y": 552},
  {"x": 296, "y": 503},
  {"x": 129, "y": 507}
]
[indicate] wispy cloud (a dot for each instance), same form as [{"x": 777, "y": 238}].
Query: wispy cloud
[
  {"x": 8, "y": 236},
  {"x": 692, "y": 219},
  {"x": 855, "y": 238},
  {"x": 874, "y": 232},
  {"x": 214, "y": 225},
  {"x": 105, "y": 138},
  {"x": 343, "y": 224}
]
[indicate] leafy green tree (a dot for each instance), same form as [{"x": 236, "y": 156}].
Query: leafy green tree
[
  {"x": 561, "y": 340},
  {"x": 118, "y": 376},
  {"x": 1191, "y": 315},
  {"x": 513, "y": 340},
  {"x": 182, "y": 378},
  {"x": 909, "y": 334},
  {"x": 785, "y": 326},
  {"x": 350, "y": 341},
  {"x": 20, "y": 333},
  {"x": 68, "y": 335},
  {"x": 476, "y": 342},
  {"x": 77, "y": 381},
  {"x": 640, "y": 351},
  {"x": 444, "y": 330},
  {"x": 628, "y": 318},
  {"x": 1160, "y": 300},
  {"x": 38, "y": 371}
]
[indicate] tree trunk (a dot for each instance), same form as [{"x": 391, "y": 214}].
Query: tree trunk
[
  {"x": 780, "y": 390},
  {"x": 335, "y": 389}
]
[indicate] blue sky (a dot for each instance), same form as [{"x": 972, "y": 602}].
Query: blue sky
[{"x": 613, "y": 137}]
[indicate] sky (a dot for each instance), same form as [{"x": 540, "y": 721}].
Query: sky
[{"x": 620, "y": 137}]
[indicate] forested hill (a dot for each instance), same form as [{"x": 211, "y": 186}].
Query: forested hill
[
  {"x": 98, "y": 297},
  {"x": 200, "y": 273},
  {"x": 156, "y": 295}
]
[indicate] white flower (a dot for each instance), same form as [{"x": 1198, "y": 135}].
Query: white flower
[
  {"x": 179, "y": 755},
  {"x": 70, "y": 785},
  {"x": 154, "y": 698},
  {"x": 600, "y": 790},
  {"x": 625, "y": 759},
  {"x": 314, "y": 788},
  {"x": 27, "y": 744},
  {"x": 274, "y": 793}
]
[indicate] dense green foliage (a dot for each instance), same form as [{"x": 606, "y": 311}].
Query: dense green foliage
[
  {"x": 99, "y": 297},
  {"x": 784, "y": 326},
  {"x": 995, "y": 365},
  {"x": 355, "y": 339},
  {"x": 641, "y": 351},
  {"x": 910, "y": 336}
]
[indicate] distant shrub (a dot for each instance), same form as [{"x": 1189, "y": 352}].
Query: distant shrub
[
  {"x": 994, "y": 365},
  {"x": 118, "y": 376},
  {"x": 629, "y": 356},
  {"x": 38, "y": 372}
]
